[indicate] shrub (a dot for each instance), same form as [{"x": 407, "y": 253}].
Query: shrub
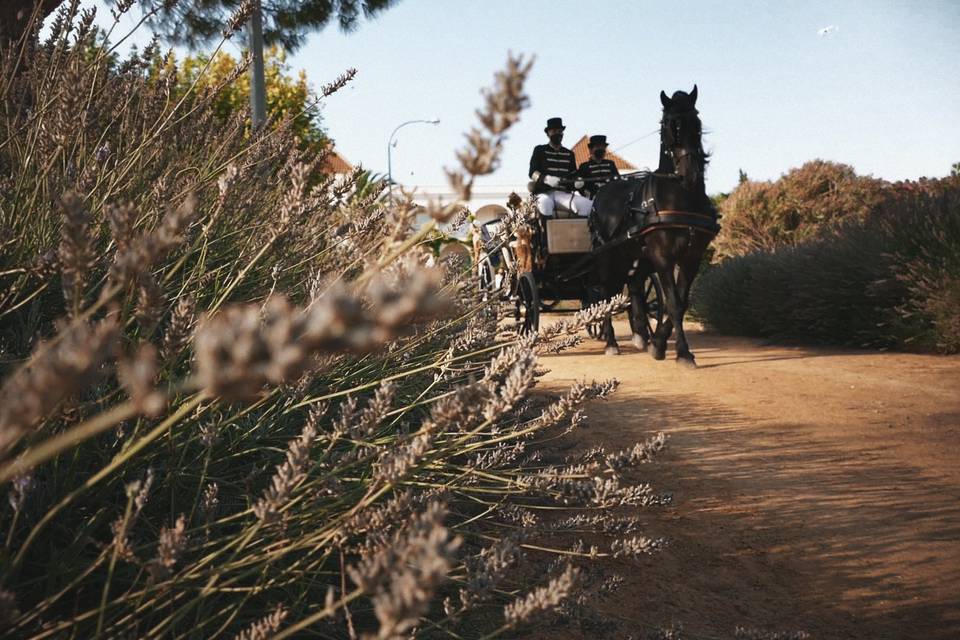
[
  {"x": 236, "y": 403},
  {"x": 887, "y": 281},
  {"x": 803, "y": 204}
]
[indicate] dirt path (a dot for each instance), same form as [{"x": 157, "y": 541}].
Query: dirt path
[{"x": 814, "y": 489}]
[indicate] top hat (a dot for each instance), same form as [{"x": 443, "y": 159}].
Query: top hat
[
  {"x": 597, "y": 141},
  {"x": 554, "y": 123}
]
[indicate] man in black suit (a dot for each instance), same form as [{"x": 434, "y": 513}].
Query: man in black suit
[
  {"x": 553, "y": 170},
  {"x": 597, "y": 170}
]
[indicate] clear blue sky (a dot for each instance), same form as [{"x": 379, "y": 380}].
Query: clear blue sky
[{"x": 880, "y": 92}]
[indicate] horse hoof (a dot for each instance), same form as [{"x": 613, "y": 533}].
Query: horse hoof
[
  {"x": 657, "y": 354},
  {"x": 640, "y": 343},
  {"x": 612, "y": 350},
  {"x": 687, "y": 362}
]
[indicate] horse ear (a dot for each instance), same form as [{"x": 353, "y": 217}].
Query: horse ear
[
  {"x": 693, "y": 94},
  {"x": 664, "y": 100}
]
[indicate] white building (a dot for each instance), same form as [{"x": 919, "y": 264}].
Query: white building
[{"x": 488, "y": 202}]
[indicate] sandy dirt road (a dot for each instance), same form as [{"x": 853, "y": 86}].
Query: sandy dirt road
[{"x": 814, "y": 489}]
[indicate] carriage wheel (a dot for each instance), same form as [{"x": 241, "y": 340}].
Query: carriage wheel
[
  {"x": 487, "y": 278},
  {"x": 528, "y": 304},
  {"x": 653, "y": 295}
]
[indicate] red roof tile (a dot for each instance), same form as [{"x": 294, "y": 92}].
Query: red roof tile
[
  {"x": 582, "y": 153},
  {"x": 336, "y": 164}
]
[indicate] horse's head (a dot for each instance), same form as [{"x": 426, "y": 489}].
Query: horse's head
[{"x": 680, "y": 136}]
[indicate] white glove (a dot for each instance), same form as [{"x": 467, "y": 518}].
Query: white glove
[
  {"x": 578, "y": 183},
  {"x": 535, "y": 176},
  {"x": 551, "y": 181}
]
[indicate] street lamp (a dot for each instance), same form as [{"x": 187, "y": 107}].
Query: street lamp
[{"x": 391, "y": 144}]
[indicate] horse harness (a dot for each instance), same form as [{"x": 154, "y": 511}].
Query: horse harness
[{"x": 643, "y": 215}]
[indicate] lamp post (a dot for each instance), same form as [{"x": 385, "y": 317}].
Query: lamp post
[
  {"x": 258, "y": 87},
  {"x": 391, "y": 144}
]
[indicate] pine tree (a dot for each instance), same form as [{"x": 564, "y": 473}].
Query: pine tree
[{"x": 287, "y": 23}]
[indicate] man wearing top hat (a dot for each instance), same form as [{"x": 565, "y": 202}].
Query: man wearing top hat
[
  {"x": 597, "y": 170},
  {"x": 549, "y": 165}
]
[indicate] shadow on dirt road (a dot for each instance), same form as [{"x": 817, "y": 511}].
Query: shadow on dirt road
[{"x": 814, "y": 490}]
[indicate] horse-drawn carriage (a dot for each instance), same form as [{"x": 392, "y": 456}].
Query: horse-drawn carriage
[
  {"x": 548, "y": 261},
  {"x": 647, "y": 235}
]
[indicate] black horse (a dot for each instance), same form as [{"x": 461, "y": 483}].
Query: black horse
[{"x": 661, "y": 222}]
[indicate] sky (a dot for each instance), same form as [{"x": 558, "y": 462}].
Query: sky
[{"x": 879, "y": 91}]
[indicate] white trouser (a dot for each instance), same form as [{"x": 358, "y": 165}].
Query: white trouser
[{"x": 549, "y": 202}]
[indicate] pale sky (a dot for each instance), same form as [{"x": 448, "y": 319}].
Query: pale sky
[{"x": 878, "y": 91}]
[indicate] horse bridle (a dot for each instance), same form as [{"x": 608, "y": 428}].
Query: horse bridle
[{"x": 676, "y": 156}]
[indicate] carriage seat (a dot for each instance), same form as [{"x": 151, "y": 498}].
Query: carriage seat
[{"x": 568, "y": 235}]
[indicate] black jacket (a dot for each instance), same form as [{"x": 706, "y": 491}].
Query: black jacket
[
  {"x": 597, "y": 173},
  {"x": 551, "y": 162}
]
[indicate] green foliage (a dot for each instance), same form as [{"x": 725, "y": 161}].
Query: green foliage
[
  {"x": 888, "y": 281},
  {"x": 803, "y": 204},
  {"x": 288, "y": 96},
  {"x": 370, "y": 186},
  {"x": 285, "y": 22}
]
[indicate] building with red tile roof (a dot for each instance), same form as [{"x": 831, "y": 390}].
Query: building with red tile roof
[
  {"x": 582, "y": 153},
  {"x": 336, "y": 164}
]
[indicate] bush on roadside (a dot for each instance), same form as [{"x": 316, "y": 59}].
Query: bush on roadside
[
  {"x": 805, "y": 203},
  {"x": 236, "y": 403},
  {"x": 889, "y": 280}
]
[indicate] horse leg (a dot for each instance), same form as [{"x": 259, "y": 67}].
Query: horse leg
[
  {"x": 684, "y": 357},
  {"x": 638, "y": 314},
  {"x": 688, "y": 271},
  {"x": 669, "y": 285},
  {"x": 600, "y": 279},
  {"x": 612, "y": 348}
]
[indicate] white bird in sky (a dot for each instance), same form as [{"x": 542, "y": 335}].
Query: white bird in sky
[{"x": 825, "y": 31}]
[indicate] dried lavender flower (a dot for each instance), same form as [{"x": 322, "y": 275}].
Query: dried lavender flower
[
  {"x": 53, "y": 373},
  {"x": 340, "y": 82},
  {"x": 404, "y": 574},
  {"x": 143, "y": 252},
  {"x": 742, "y": 633},
  {"x": 182, "y": 320},
  {"x": 266, "y": 627},
  {"x": 239, "y": 18},
  {"x": 137, "y": 492},
  {"x": 542, "y": 598},
  {"x": 502, "y": 107},
  {"x": 150, "y": 304},
  {"x": 138, "y": 376},
  {"x": 635, "y": 547},
  {"x": 173, "y": 540},
  {"x": 237, "y": 354},
  {"x": 375, "y": 412},
  {"x": 76, "y": 252},
  {"x": 287, "y": 476},
  {"x": 210, "y": 501},
  {"x": 396, "y": 462}
]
